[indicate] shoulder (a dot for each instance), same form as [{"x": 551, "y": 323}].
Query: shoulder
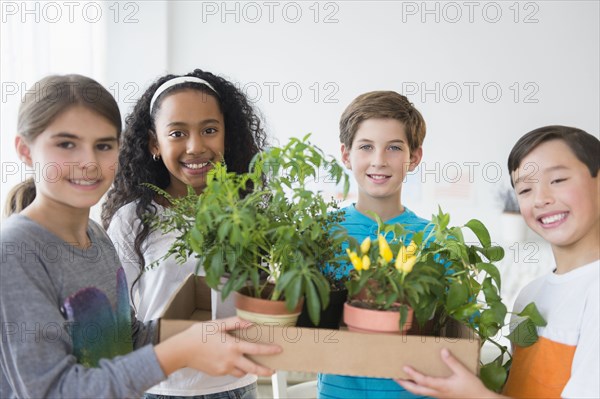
[
  {"x": 20, "y": 232},
  {"x": 357, "y": 224},
  {"x": 30, "y": 255},
  {"x": 353, "y": 216},
  {"x": 126, "y": 219},
  {"x": 411, "y": 220},
  {"x": 592, "y": 292},
  {"x": 127, "y": 212},
  {"x": 96, "y": 231},
  {"x": 18, "y": 228}
]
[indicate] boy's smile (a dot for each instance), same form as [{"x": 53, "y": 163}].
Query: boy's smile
[
  {"x": 558, "y": 197},
  {"x": 379, "y": 159}
]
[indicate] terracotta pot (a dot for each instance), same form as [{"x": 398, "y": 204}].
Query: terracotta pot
[
  {"x": 330, "y": 316},
  {"x": 375, "y": 321},
  {"x": 265, "y": 311}
]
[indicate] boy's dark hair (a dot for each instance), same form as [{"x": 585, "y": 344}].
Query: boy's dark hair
[
  {"x": 585, "y": 146},
  {"x": 244, "y": 138},
  {"x": 382, "y": 105}
]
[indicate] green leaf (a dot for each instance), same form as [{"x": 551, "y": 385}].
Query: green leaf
[
  {"x": 223, "y": 231},
  {"x": 532, "y": 312},
  {"x": 457, "y": 233},
  {"x": 403, "y": 315},
  {"x": 492, "y": 271},
  {"x": 458, "y": 295},
  {"x": 444, "y": 219},
  {"x": 293, "y": 292},
  {"x": 323, "y": 289},
  {"x": 525, "y": 334},
  {"x": 493, "y": 376},
  {"x": 465, "y": 312},
  {"x": 499, "y": 310},
  {"x": 488, "y": 323},
  {"x": 480, "y": 231},
  {"x": 493, "y": 253},
  {"x": 195, "y": 240},
  {"x": 490, "y": 291},
  {"x": 312, "y": 302}
]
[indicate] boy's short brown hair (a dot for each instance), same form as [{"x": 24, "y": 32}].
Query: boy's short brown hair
[
  {"x": 585, "y": 146},
  {"x": 382, "y": 105}
]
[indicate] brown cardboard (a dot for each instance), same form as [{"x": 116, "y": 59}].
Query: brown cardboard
[
  {"x": 329, "y": 351},
  {"x": 190, "y": 303}
]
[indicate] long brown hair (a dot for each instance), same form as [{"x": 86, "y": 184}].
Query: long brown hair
[{"x": 45, "y": 101}]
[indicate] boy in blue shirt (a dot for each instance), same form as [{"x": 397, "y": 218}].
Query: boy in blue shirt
[{"x": 381, "y": 134}]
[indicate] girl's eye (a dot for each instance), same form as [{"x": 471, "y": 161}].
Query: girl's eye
[
  {"x": 66, "y": 145},
  {"x": 104, "y": 147},
  {"x": 557, "y": 181},
  {"x": 210, "y": 130},
  {"x": 176, "y": 133}
]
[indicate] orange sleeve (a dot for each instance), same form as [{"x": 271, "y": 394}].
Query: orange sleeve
[{"x": 540, "y": 371}]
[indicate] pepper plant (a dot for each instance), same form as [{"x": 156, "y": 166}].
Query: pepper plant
[{"x": 440, "y": 273}]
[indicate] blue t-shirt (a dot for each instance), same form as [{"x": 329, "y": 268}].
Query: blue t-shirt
[{"x": 360, "y": 226}]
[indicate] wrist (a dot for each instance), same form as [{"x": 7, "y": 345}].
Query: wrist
[{"x": 170, "y": 356}]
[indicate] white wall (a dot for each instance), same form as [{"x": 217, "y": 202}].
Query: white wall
[{"x": 547, "y": 53}]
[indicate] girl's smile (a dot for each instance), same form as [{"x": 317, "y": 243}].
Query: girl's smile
[
  {"x": 190, "y": 137},
  {"x": 82, "y": 148}
]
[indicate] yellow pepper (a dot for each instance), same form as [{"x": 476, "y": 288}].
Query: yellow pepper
[
  {"x": 412, "y": 248},
  {"x": 405, "y": 261},
  {"x": 356, "y": 262},
  {"x": 366, "y": 262},
  {"x": 365, "y": 245},
  {"x": 384, "y": 249}
]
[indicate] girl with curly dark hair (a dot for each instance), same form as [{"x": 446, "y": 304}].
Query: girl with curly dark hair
[{"x": 179, "y": 127}]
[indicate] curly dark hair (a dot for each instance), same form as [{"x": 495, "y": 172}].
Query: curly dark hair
[{"x": 244, "y": 138}]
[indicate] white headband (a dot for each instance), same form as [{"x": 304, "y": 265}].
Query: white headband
[{"x": 176, "y": 81}]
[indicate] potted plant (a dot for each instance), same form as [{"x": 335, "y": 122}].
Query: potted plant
[
  {"x": 439, "y": 273},
  {"x": 386, "y": 289},
  {"x": 263, "y": 233},
  {"x": 331, "y": 315}
]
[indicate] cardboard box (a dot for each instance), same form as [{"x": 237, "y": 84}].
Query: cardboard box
[{"x": 327, "y": 351}]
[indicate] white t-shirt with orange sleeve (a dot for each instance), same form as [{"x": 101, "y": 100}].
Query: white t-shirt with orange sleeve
[{"x": 565, "y": 361}]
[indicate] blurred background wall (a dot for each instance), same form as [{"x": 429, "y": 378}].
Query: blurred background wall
[{"x": 481, "y": 73}]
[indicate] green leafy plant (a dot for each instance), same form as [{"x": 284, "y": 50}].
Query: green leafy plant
[
  {"x": 440, "y": 273},
  {"x": 264, "y": 228}
]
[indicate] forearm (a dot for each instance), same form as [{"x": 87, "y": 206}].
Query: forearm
[
  {"x": 170, "y": 354},
  {"x": 123, "y": 376}
]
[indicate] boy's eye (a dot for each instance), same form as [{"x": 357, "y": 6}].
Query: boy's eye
[
  {"x": 365, "y": 147},
  {"x": 523, "y": 191},
  {"x": 66, "y": 144},
  {"x": 557, "y": 181},
  {"x": 395, "y": 148}
]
